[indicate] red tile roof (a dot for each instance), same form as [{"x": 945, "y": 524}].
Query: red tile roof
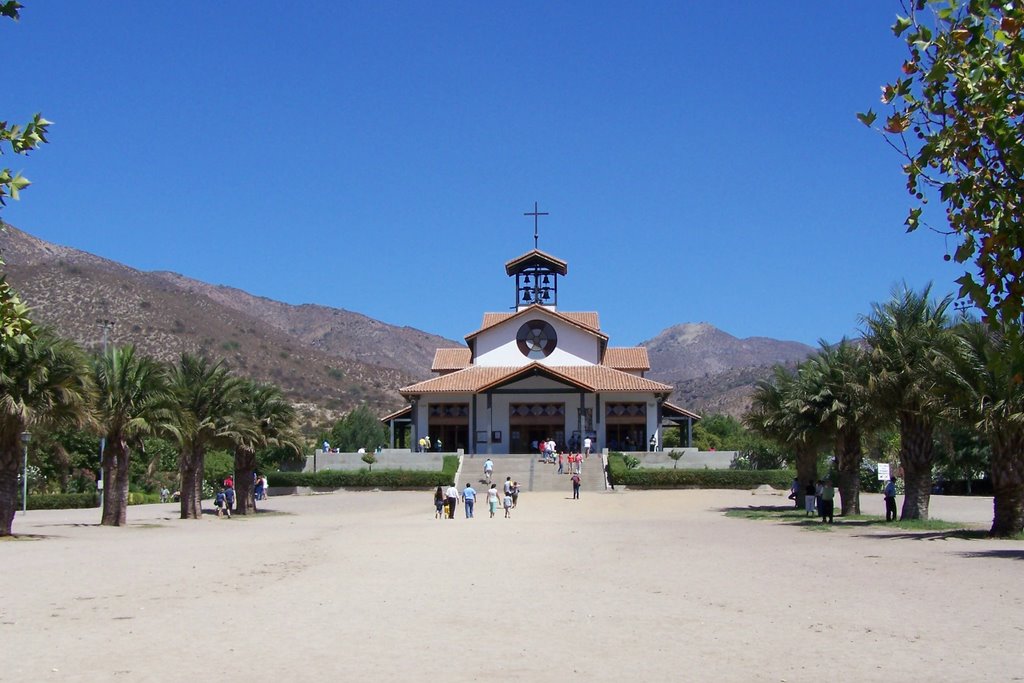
[
  {"x": 671, "y": 408},
  {"x": 585, "y": 320},
  {"x": 627, "y": 358},
  {"x": 593, "y": 378},
  {"x": 536, "y": 258},
  {"x": 451, "y": 359}
]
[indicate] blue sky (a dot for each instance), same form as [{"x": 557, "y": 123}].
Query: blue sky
[{"x": 700, "y": 161}]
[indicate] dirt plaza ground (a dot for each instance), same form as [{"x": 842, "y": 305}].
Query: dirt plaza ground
[{"x": 644, "y": 585}]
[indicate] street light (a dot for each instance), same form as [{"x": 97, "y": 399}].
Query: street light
[
  {"x": 107, "y": 325},
  {"x": 25, "y": 438}
]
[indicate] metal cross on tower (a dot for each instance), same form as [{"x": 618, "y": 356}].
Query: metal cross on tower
[{"x": 536, "y": 214}]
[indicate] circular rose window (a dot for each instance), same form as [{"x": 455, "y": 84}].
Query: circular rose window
[{"x": 536, "y": 339}]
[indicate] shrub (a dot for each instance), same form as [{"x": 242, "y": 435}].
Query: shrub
[
  {"x": 384, "y": 479},
  {"x": 620, "y": 474},
  {"x": 63, "y": 501},
  {"x": 138, "y": 498}
]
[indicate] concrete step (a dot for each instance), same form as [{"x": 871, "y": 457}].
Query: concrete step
[{"x": 531, "y": 474}]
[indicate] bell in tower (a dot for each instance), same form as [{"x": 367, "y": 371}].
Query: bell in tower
[{"x": 536, "y": 278}]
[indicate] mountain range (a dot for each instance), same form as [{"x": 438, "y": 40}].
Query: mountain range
[{"x": 326, "y": 359}]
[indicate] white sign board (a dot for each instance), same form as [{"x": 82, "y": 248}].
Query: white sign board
[{"x": 883, "y": 471}]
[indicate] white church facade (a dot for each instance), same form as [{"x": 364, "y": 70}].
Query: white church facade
[{"x": 536, "y": 372}]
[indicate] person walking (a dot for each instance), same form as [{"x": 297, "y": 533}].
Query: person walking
[
  {"x": 469, "y": 497},
  {"x": 492, "y": 499},
  {"x": 586, "y": 447},
  {"x": 507, "y": 504},
  {"x": 515, "y": 493},
  {"x": 560, "y": 470},
  {"x": 794, "y": 488},
  {"x": 576, "y": 486},
  {"x": 452, "y": 497},
  {"x": 439, "y": 501},
  {"x": 828, "y": 494},
  {"x": 229, "y": 496},
  {"x": 488, "y": 470},
  {"x": 890, "y": 500},
  {"x": 810, "y": 498}
]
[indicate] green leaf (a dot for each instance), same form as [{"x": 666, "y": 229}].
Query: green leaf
[
  {"x": 901, "y": 25},
  {"x": 913, "y": 220},
  {"x": 867, "y": 118}
]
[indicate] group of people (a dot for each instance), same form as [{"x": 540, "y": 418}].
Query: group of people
[
  {"x": 447, "y": 499},
  {"x": 574, "y": 460},
  {"x": 224, "y": 498},
  {"x": 424, "y": 445},
  {"x": 819, "y": 499},
  {"x": 576, "y": 446}
]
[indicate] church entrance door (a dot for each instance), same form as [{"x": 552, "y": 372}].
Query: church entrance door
[{"x": 534, "y": 422}]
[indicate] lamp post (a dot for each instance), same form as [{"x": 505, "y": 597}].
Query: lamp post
[
  {"x": 106, "y": 325},
  {"x": 25, "y": 438}
]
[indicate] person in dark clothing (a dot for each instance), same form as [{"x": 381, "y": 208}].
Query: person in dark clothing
[{"x": 890, "y": 500}]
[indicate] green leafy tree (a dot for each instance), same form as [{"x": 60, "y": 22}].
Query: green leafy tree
[
  {"x": 675, "y": 455},
  {"x": 206, "y": 397},
  {"x": 44, "y": 384},
  {"x": 834, "y": 382},
  {"x": 705, "y": 439},
  {"x": 987, "y": 370},
  {"x": 132, "y": 402},
  {"x": 359, "y": 429},
  {"x": 955, "y": 116},
  {"x": 906, "y": 334},
  {"x": 962, "y": 454},
  {"x": 264, "y": 420},
  {"x": 15, "y": 325},
  {"x": 778, "y": 413}
]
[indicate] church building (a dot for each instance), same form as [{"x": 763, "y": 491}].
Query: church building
[{"x": 535, "y": 372}]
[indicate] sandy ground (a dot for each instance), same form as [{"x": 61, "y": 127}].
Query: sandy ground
[{"x": 657, "y": 585}]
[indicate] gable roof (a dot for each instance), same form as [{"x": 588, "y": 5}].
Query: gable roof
[
  {"x": 671, "y": 410},
  {"x": 584, "y": 320},
  {"x": 627, "y": 358},
  {"x": 451, "y": 359},
  {"x": 536, "y": 258},
  {"x": 592, "y": 378}
]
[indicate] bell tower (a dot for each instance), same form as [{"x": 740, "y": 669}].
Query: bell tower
[{"x": 536, "y": 278}]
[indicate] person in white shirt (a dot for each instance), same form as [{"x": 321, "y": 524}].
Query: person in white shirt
[{"x": 452, "y": 494}]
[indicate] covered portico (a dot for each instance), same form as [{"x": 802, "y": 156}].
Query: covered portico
[{"x": 507, "y": 410}]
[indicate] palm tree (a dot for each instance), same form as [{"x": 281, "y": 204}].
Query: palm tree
[
  {"x": 834, "y": 386},
  {"x": 264, "y": 420},
  {"x": 906, "y": 336},
  {"x": 777, "y": 413},
  {"x": 132, "y": 401},
  {"x": 987, "y": 388},
  {"x": 205, "y": 399},
  {"x": 44, "y": 381}
]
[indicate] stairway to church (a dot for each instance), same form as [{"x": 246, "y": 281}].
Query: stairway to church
[{"x": 531, "y": 474}]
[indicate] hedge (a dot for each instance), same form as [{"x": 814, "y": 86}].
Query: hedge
[
  {"x": 68, "y": 501},
  {"x": 695, "y": 479},
  {"x": 62, "y": 501},
  {"x": 363, "y": 478}
]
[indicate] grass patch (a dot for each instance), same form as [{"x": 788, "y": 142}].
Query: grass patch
[{"x": 797, "y": 517}]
